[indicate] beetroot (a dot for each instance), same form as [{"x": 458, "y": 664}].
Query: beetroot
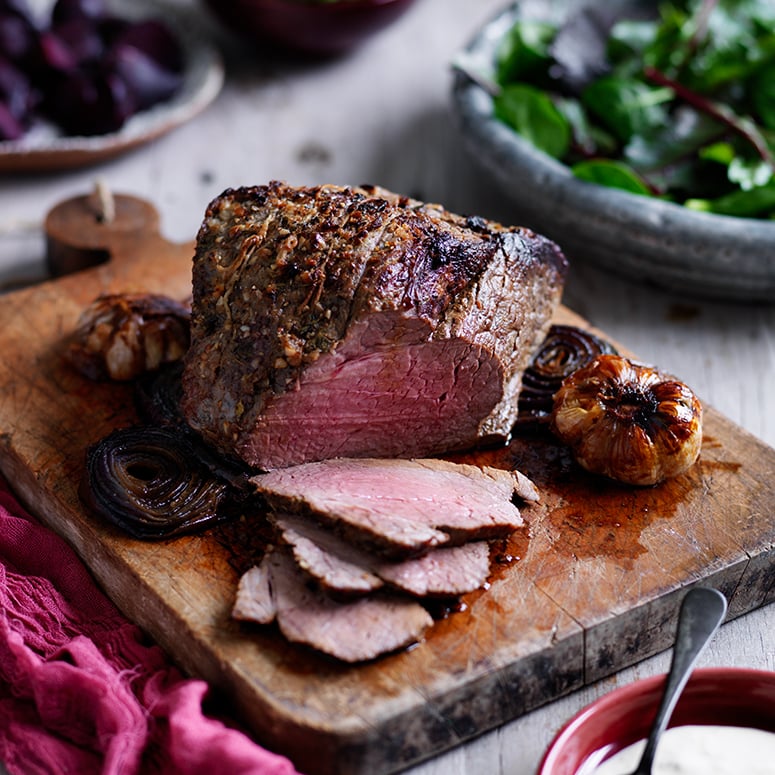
[{"x": 92, "y": 70}]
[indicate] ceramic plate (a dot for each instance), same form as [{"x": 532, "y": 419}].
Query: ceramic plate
[{"x": 46, "y": 149}]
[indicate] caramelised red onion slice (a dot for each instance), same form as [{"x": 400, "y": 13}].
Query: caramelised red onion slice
[
  {"x": 565, "y": 350},
  {"x": 149, "y": 482}
]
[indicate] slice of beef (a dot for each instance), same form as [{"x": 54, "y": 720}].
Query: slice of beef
[
  {"x": 352, "y": 631},
  {"x": 342, "y": 568},
  {"x": 336, "y": 565},
  {"x": 331, "y": 322},
  {"x": 254, "y": 601},
  {"x": 446, "y": 572},
  {"x": 400, "y": 508}
]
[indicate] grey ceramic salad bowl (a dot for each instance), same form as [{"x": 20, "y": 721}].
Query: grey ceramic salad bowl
[{"x": 648, "y": 240}]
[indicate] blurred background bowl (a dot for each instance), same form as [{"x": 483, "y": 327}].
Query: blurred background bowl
[
  {"x": 645, "y": 239},
  {"x": 47, "y": 148},
  {"x": 326, "y": 29},
  {"x": 718, "y": 696}
]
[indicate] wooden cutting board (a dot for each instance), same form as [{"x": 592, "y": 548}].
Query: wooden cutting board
[{"x": 595, "y": 585}]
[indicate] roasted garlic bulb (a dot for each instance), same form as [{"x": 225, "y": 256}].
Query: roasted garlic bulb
[
  {"x": 628, "y": 421},
  {"x": 121, "y": 336}
]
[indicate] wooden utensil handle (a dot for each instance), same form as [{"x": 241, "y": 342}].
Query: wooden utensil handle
[{"x": 88, "y": 230}]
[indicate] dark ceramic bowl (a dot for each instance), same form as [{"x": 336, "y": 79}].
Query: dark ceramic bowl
[
  {"x": 312, "y": 27},
  {"x": 718, "y": 696},
  {"x": 692, "y": 253}
]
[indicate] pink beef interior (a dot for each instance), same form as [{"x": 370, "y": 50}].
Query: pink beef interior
[
  {"x": 351, "y": 402},
  {"x": 347, "y": 569},
  {"x": 350, "y": 631}
]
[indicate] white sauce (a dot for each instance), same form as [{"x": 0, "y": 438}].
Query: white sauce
[{"x": 698, "y": 750}]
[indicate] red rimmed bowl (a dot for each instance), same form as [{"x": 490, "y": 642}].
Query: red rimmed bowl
[
  {"x": 319, "y": 28},
  {"x": 713, "y": 696}
]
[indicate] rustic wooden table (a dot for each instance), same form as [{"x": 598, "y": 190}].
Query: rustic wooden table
[{"x": 382, "y": 115}]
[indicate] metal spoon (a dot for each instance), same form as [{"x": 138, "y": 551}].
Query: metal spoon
[{"x": 702, "y": 611}]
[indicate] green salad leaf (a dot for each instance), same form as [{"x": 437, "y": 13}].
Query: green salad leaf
[
  {"x": 626, "y": 106},
  {"x": 533, "y": 114},
  {"x": 613, "y": 174},
  {"x": 524, "y": 51},
  {"x": 679, "y": 103},
  {"x": 755, "y": 203}
]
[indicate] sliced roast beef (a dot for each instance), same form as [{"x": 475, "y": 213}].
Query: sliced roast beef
[
  {"x": 331, "y": 322},
  {"x": 400, "y": 508},
  {"x": 446, "y": 572},
  {"x": 352, "y": 631},
  {"x": 340, "y": 567},
  {"x": 255, "y": 602},
  {"x": 336, "y": 565}
]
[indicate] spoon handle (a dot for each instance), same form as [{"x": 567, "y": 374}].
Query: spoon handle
[{"x": 702, "y": 611}]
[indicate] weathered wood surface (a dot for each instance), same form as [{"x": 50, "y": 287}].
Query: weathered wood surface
[{"x": 595, "y": 587}]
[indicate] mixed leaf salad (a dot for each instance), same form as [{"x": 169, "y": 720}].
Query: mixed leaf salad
[{"x": 674, "y": 99}]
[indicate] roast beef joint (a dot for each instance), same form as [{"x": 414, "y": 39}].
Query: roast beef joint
[{"x": 352, "y": 322}]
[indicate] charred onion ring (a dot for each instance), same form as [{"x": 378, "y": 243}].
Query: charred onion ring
[
  {"x": 147, "y": 481},
  {"x": 565, "y": 350},
  {"x": 628, "y": 421}
]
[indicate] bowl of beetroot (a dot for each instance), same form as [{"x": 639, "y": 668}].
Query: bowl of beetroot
[
  {"x": 313, "y": 27},
  {"x": 83, "y": 79}
]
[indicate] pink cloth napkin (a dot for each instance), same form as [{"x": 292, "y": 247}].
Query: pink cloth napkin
[{"x": 82, "y": 690}]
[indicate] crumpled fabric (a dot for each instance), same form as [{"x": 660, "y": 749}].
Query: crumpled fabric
[{"x": 82, "y": 689}]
